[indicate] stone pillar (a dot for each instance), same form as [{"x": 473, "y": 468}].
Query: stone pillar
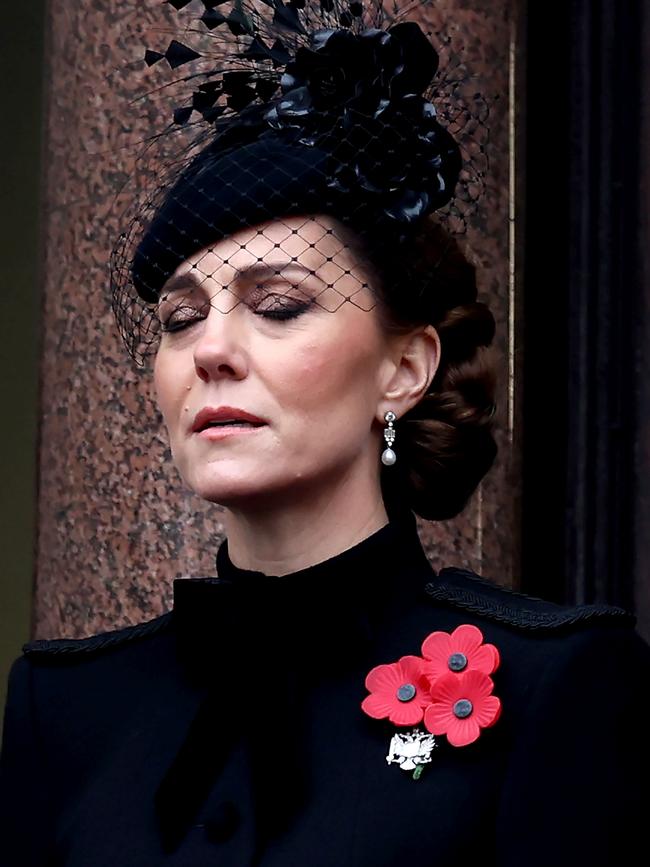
[{"x": 115, "y": 523}]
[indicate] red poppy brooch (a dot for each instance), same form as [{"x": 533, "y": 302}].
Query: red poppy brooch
[{"x": 448, "y": 689}]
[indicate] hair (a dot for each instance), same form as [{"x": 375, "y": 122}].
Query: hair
[{"x": 445, "y": 443}]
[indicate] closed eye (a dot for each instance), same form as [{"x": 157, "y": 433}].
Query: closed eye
[
  {"x": 280, "y": 307},
  {"x": 182, "y": 317}
]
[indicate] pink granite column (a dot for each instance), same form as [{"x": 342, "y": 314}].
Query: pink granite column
[{"x": 115, "y": 522}]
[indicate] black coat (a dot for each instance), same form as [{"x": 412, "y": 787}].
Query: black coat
[{"x": 229, "y": 731}]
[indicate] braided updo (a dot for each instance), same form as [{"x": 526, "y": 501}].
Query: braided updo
[{"x": 445, "y": 443}]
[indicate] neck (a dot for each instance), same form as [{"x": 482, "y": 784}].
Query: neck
[{"x": 284, "y": 537}]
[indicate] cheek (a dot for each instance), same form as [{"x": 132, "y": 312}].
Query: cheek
[
  {"x": 168, "y": 389},
  {"x": 325, "y": 376}
]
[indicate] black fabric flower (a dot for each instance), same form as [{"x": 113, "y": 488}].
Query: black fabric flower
[
  {"x": 404, "y": 162},
  {"x": 370, "y": 67},
  {"x": 359, "y": 95}
]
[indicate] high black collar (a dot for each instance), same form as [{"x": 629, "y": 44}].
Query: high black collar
[
  {"x": 368, "y": 559},
  {"x": 243, "y": 610},
  {"x": 290, "y": 630}
]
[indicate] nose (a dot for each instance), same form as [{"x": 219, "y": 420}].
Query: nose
[{"x": 219, "y": 351}]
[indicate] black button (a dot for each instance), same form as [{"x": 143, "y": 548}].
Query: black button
[
  {"x": 406, "y": 692},
  {"x": 463, "y": 708},
  {"x": 223, "y": 822},
  {"x": 457, "y": 662}
]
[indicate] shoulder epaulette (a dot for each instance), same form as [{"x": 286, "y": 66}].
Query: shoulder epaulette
[
  {"x": 462, "y": 588},
  {"x": 64, "y": 648}
]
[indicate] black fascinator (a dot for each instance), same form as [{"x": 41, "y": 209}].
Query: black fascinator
[{"x": 295, "y": 109}]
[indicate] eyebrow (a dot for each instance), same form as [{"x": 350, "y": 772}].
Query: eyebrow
[
  {"x": 180, "y": 283},
  {"x": 267, "y": 269},
  {"x": 190, "y": 280}
]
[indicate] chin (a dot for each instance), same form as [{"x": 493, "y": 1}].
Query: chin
[
  {"x": 231, "y": 489},
  {"x": 250, "y": 489},
  {"x": 224, "y": 492}
]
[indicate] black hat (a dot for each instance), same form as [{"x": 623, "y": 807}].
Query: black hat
[{"x": 323, "y": 111}]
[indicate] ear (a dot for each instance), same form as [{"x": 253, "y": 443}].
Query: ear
[{"x": 416, "y": 361}]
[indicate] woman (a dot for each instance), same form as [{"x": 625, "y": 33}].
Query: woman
[{"x": 328, "y": 699}]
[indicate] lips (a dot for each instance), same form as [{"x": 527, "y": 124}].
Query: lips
[{"x": 208, "y": 415}]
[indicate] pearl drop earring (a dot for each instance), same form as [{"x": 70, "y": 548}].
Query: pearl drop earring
[{"x": 388, "y": 456}]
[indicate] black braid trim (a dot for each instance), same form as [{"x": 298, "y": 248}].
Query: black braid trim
[
  {"x": 64, "y": 647},
  {"x": 464, "y": 589}
]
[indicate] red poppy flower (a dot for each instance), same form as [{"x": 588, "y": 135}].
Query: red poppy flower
[
  {"x": 399, "y": 691},
  {"x": 460, "y": 652},
  {"x": 462, "y": 706}
]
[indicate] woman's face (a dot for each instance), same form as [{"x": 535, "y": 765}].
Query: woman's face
[{"x": 258, "y": 322}]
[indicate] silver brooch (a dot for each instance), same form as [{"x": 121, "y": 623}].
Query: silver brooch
[{"x": 411, "y": 751}]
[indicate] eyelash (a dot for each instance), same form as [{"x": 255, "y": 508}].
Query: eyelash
[{"x": 277, "y": 314}]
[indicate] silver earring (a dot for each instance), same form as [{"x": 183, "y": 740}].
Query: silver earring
[{"x": 388, "y": 456}]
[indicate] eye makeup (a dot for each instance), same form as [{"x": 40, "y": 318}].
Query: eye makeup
[{"x": 268, "y": 289}]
